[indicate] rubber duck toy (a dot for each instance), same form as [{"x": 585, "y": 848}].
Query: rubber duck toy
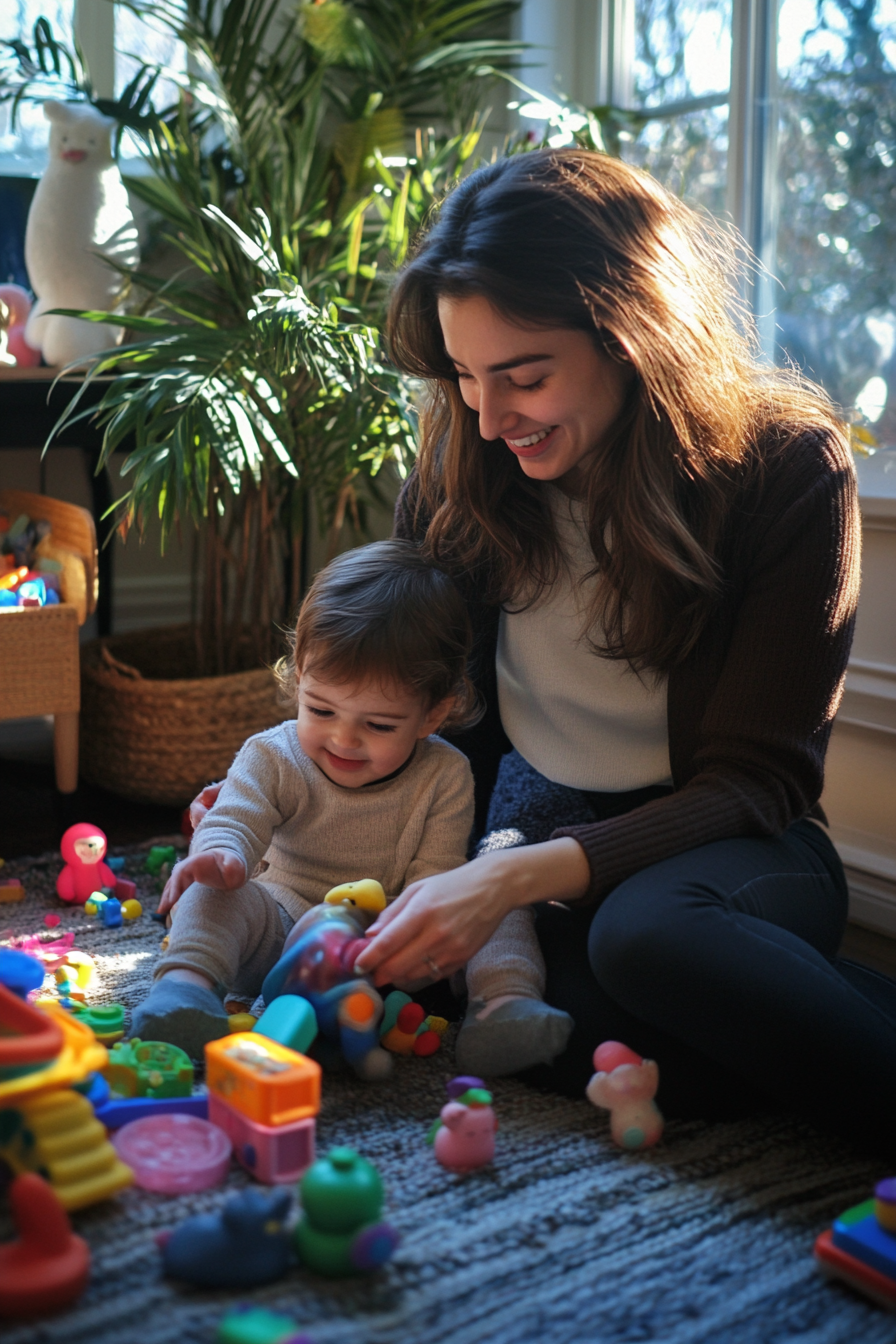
[
  {"x": 242, "y": 1245},
  {"x": 318, "y": 964},
  {"x": 83, "y": 848},
  {"x": 47, "y": 1268},
  {"x": 340, "y": 1231},
  {"x": 625, "y": 1085}
]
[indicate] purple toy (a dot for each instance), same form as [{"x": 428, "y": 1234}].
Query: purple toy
[{"x": 463, "y": 1137}]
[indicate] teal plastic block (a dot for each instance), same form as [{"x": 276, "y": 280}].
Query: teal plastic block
[{"x": 290, "y": 1021}]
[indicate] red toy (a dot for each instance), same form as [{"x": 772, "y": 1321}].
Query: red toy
[
  {"x": 48, "y": 1267},
  {"x": 83, "y": 847}
]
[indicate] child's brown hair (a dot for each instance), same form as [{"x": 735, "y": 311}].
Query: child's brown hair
[{"x": 384, "y": 611}]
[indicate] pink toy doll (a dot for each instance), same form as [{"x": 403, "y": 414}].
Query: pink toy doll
[
  {"x": 463, "y": 1137},
  {"x": 83, "y": 848},
  {"x": 625, "y": 1085}
]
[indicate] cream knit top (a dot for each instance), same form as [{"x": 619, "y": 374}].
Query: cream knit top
[
  {"x": 580, "y": 720},
  {"x": 277, "y": 805}
]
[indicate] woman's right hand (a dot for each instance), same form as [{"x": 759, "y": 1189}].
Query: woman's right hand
[{"x": 204, "y": 802}]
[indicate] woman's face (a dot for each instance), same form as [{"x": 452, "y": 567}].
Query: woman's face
[{"x": 548, "y": 393}]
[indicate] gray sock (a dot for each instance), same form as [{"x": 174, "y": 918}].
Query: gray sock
[
  {"x": 514, "y": 1037},
  {"x": 181, "y": 1014}
]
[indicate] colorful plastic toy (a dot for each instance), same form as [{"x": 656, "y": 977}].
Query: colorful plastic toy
[
  {"x": 463, "y": 1137},
  {"x": 105, "y": 1020},
  {"x": 159, "y": 857},
  {"x": 319, "y": 967},
  {"x": 130, "y": 908},
  {"x": 340, "y": 1232},
  {"x": 174, "y": 1154},
  {"x": 242, "y": 1245},
  {"x": 19, "y": 971},
  {"x": 47, "y": 1126},
  {"x": 83, "y": 847},
  {"x": 149, "y": 1069},
  {"x": 265, "y": 1097},
  {"x": 860, "y": 1249},
  {"x": 289, "y": 1020},
  {"x": 255, "y": 1325},
  {"x": 625, "y": 1085},
  {"x": 406, "y": 1029},
  {"x": 116, "y": 1112},
  {"x": 11, "y": 891},
  {"x": 47, "y": 1268}
]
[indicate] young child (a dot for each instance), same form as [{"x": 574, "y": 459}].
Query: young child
[{"x": 356, "y": 786}]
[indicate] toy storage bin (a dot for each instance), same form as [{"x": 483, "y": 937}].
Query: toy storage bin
[{"x": 39, "y": 671}]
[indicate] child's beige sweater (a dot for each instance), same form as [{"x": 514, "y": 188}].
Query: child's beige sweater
[{"x": 277, "y": 805}]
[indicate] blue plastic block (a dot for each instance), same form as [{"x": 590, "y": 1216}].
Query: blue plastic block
[
  {"x": 116, "y": 863},
  {"x": 290, "y": 1021},
  {"x": 123, "y": 1110},
  {"x": 867, "y": 1241},
  {"x": 110, "y": 913}
]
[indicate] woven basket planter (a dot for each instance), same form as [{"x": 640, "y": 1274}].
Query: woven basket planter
[{"x": 152, "y": 734}]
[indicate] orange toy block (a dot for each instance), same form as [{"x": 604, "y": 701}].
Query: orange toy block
[
  {"x": 11, "y": 891},
  {"x": 263, "y": 1080}
]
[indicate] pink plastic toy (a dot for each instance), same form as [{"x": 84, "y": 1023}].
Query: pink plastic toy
[
  {"x": 274, "y": 1154},
  {"x": 19, "y": 303},
  {"x": 174, "y": 1153},
  {"x": 463, "y": 1137},
  {"x": 625, "y": 1085},
  {"x": 83, "y": 847}
]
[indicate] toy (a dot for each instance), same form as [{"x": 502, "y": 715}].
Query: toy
[
  {"x": 11, "y": 891},
  {"x": 105, "y": 1020},
  {"x": 115, "y": 1112},
  {"x": 149, "y": 1069},
  {"x": 406, "y": 1029},
  {"x": 110, "y": 913},
  {"x": 339, "y": 1232},
  {"x": 47, "y": 1126},
  {"x": 159, "y": 857},
  {"x": 319, "y": 966},
  {"x": 79, "y": 216},
  {"x": 265, "y": 1097},
  {"x": 255, "y": 1325},
  {"x": 174, "y": 1153},
  {"x": 20, "y": 972},
  {"x": 52, "y": 921},
  {"x": 18, "y": 301},
  {"x": 73, "y": 971},
  {"x": 131, "y": 909},
  {"x": 83, "y": 847},
  {"x": 861, "y": 1247},
  {"x": 242, "y": 1245},
  {"x": 289, "y": 1020},
  {"x": 48, "y": 1266},
  {"x": 463, "y": 1137},
  {"x": 625, "y": 1085}
]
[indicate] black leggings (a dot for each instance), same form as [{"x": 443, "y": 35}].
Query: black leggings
[{"x": 719, "y": 963}]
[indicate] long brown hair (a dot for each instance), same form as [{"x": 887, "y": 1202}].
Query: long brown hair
[{"x": 574, "y": 239}]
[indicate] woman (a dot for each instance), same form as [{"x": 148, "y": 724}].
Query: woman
[{"x": 659, "y": 544}]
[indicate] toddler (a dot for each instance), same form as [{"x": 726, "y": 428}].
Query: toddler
[{"x": 356, "y": 786}]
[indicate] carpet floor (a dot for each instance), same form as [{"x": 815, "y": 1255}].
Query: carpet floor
[{"x": 564, "y": 1240}]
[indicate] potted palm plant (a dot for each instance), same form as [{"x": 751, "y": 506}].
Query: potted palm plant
[{"x": 252, "y": 391}]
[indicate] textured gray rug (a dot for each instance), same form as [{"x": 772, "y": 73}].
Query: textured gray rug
[{"x": 565, "y": 1240}]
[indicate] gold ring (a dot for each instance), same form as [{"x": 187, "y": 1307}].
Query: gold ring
[{"x": 434, "y": 967}]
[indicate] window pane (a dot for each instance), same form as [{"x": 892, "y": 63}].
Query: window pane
[
  {"x": 837, "y": 231},
  {"x": 683, "y": 49},
  {"x": 688, "y": 154},
  {"x": 17, "y": 19}
]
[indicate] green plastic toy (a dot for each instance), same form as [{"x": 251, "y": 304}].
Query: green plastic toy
[
  {"x": 149, "y": 1069},
  {"x": 158, "y": 856},
  {"x": 105, "y": 1020},
  {"x": 254, "y": 1325},
  {"x": 340, "y": 1232}
]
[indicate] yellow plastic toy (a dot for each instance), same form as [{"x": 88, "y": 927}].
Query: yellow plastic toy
[
  {"x": 47, "y": 1127},
  {"x": 366, "y": 894}
]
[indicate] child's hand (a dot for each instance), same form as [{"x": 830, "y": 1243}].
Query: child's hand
[{"x": 217, "y": 868}]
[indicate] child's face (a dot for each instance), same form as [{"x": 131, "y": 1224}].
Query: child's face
[{"x": 358, "y": 734}]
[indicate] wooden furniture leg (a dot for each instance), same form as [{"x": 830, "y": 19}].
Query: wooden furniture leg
[{"x": 65, "y": 751}]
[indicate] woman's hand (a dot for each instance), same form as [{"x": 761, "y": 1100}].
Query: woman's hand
[
  {"x": 204, "y": 802},
  {"x": 217, "y": 868},
  {"x": 438, "y": 923}
]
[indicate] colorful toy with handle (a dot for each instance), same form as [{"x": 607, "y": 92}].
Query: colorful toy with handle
[
  {"x": 319, "y": 965},
  {"x": 625, "y": 1085}
]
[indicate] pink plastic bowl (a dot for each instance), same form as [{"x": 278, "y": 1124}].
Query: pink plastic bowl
[{"x": 174, "y": 1153}]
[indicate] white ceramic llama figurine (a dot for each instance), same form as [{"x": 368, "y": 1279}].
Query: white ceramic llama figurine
[{"x": 80, "y": 213}]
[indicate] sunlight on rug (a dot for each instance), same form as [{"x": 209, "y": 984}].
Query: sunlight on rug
[{"x": 564, "y": 1240}]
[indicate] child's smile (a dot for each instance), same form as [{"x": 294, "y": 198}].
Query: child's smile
[{"x": 358, "y": 734}]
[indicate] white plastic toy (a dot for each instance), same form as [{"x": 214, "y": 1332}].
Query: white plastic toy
[
  {"x": 80, "y": 215},
  {"x": 625, "y": 1085}
]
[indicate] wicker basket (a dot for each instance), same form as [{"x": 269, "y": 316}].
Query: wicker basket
[{"x": 149, "y": 733}]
